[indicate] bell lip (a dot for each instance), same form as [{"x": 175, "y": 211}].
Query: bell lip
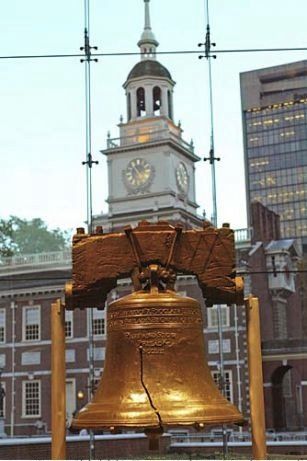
[{"x": 90, "y": 424}]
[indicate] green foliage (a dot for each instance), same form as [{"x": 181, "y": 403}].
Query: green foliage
[
  {"x": 20, "y": 236},
  {"x": 7, "y": 246}
]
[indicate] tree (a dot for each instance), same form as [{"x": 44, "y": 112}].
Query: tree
[
  {"x": 7, "y": 247},
  {"x": 20, "y": 236}
]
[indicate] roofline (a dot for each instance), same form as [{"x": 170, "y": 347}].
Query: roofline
[{"x": 147, "y": 76}]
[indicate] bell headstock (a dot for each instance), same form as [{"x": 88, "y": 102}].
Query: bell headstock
[{"x": 99, "y": 260}]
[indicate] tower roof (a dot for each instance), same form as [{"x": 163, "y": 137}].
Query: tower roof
[{"x": 149, "y": 67}]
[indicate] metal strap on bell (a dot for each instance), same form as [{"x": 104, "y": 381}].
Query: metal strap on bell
[{"x": 155, "y": 374}]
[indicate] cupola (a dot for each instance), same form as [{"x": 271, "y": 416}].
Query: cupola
[{"x": 149, "y": 85}]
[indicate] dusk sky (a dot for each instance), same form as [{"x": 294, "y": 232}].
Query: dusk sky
[{"x": 42, "y": 134}]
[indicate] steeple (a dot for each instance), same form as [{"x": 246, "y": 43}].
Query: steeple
[
  {"x": 147, "y": 42},
  {"x": 149, "y": 85}
]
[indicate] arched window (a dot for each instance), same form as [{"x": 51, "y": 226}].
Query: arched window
[
  {"x": 281, "y": 380},
  {"x": 129, "y": 106},
  {"x": 170, "y": 104},
  {"x": 140, "y": 101},
  {"x": 157, "y": 102}
]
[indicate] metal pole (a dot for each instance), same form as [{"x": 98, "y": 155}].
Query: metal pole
[
  {"x": 58, "y": 386},
  {"x": 212, "y": 159},
  {"x": 89, "y": 163},
  {"x": 222, "y": 375},
  {"x": 91, "y": 374},
  {"x": 255, "y": 378},
  {"x": 239, "y": 381},
  {"x": 212, "y": 150},
  {"x": 12, "y": 423}
]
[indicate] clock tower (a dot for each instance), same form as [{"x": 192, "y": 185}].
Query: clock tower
[{"x": 151, "y": 168}]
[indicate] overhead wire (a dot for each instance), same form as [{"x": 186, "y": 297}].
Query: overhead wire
[{"x": 135, "y": 53}]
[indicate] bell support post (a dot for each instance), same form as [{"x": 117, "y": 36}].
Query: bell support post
[
  {"x": 255, "y": 378},
  {"x": 58, "y": 390}
]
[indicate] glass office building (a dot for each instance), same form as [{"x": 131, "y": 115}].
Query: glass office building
[{"x": 274, "y": 110}]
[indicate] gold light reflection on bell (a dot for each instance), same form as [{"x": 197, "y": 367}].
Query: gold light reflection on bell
[
  {"x": 138, "y": 398},
  {"x": 155, "y": 373}
]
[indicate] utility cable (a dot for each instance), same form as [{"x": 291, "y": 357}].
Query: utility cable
[{"x": 134, "y": 53}]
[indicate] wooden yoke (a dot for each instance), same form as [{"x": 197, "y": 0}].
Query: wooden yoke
[{"x": 99, "y": 260}]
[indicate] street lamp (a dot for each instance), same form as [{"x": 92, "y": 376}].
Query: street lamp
[{"x": 80, "y": 395}]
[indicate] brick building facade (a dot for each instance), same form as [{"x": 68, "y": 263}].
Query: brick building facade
[
  {"x": 29, "y": 285},
  {"x": 270, "y": 264}
]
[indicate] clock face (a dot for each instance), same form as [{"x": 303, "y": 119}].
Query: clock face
[
  {"x": 182, "y": 177},
  {"x": 139, "y": 174}
]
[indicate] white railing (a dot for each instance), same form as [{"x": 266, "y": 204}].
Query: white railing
[
  {"x": 36, "y": 259},
  {"x": 236, "y": 437},
  {"x": 149, "y": 136},
  {"x": 207, "y": 439},
  {"x": 243, "y": 235}
]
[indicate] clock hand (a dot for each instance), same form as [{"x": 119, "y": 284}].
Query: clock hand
[{"x": 136, "y": 170}]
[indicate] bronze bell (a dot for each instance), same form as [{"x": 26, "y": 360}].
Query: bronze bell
[{"x": 155, "y": 374}]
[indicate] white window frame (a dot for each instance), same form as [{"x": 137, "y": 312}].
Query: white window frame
[
  {"x": 4, "y": 401},
  {"x": 24, "y": 316},
  {"x": 96, "y": 352},
  {"x": 4, "y": 326},
  {"x": 214, "y": 309},
  {"x": 71, "y": 381},
  {"x": 227, "y": 346},
  {"x": 70, "y": 355},
  {"x": 2, "y": 362},
  {"x": 214, "y": 346},
  {"x": 27, "y": 358},
  {"x": 98, "y": 336},
  {"x": 228, "y": 380},
  {"x": 96, "y": 382},
  {"x": 24, "y": 386},
  {"x": 69, "y": 318}
]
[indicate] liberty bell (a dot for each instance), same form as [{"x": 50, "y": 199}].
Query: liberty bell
[{"x": 155, "y": 375}]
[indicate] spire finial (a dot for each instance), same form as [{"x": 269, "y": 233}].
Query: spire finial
[
  {"x": 147, "y": 15},
  {"x": 147, "y": 42}
]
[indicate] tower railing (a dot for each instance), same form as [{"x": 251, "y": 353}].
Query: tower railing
[
  {"x": 243, "y": 235},
  {"x": 147, "y": 137}
]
